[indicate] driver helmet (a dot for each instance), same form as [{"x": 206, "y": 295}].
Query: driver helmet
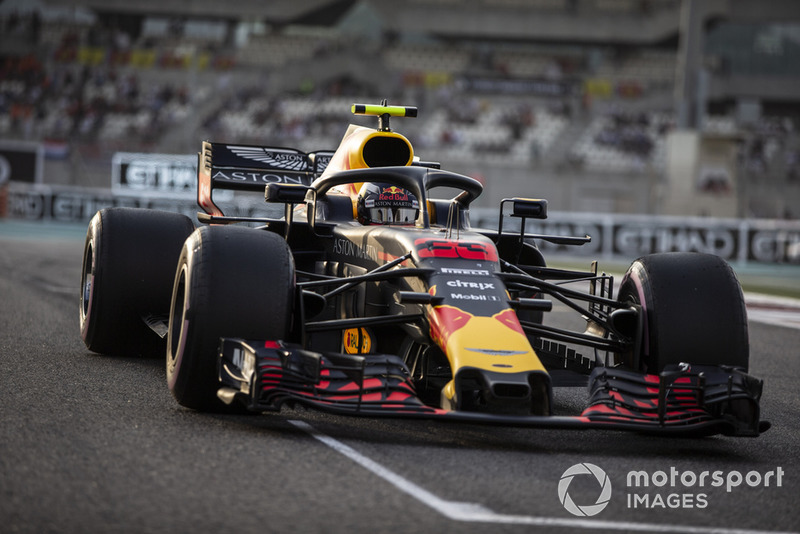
[{"x": 386, "y": 204}]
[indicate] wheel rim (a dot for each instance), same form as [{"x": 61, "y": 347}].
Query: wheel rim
[
  {"x": 87, "y": 281},
  {"x": 177, "y": 328}
]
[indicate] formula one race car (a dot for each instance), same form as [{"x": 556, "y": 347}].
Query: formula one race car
[{"x": 371, "y": 297}]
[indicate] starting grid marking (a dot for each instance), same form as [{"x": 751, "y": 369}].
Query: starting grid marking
[{"x": 477, "y": 513}]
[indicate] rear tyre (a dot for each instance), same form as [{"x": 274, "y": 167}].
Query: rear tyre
[
  {"x": 692, "y": 310},
  {"x": 230, "y": 282},
  {"x": 129, "y": 259}
]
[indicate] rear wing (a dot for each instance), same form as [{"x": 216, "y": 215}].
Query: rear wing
[{"x": 250, "y": 168}]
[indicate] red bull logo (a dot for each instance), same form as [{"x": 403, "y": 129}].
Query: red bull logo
[{"x": 393, "y": 193}]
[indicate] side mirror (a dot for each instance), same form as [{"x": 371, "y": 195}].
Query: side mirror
[
  {"x": 530, "y": 208},
  {"x": 285, "y": 193},
  {"x": 522, "y": 208},
  {"x": 289, "y": 195}
]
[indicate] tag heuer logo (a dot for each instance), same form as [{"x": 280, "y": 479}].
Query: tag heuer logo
[{"x": 275, "y": 158}]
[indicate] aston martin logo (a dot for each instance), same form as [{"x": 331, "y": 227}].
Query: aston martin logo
[{"x": 275, "y": 158}]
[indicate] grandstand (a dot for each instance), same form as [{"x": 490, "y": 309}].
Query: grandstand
[{"x": 593, "y": 104}]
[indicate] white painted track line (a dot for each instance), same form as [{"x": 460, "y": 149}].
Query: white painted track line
[{"x": 477, "y": 513}]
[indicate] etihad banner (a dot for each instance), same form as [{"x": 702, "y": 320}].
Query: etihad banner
[
  {"x": 166, "y": 176},
  {"x": 631, "y": 236},
  {"x": 613, "y": 236},
  {"x": 172, "y": 175}
]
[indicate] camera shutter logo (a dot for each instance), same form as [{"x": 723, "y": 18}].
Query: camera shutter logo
[{"x": 602, "y": 499}]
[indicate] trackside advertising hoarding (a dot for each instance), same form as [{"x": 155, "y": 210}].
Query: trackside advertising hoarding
[
  {"x": 613, "y": 236},
  {"x": 163, "y": 175},
  {"x": 631, "y": 236},
  {"x": 72, "y": 204}
]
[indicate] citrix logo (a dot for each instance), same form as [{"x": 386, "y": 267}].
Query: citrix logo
[
  {"x": 471, "y": 285},
  {"x": 602, "y": 500}
]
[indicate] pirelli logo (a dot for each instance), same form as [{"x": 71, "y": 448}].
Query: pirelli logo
[{"x": 465, "y": 272}]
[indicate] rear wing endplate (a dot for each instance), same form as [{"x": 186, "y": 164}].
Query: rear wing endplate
[{"x": 250, "y": 168}]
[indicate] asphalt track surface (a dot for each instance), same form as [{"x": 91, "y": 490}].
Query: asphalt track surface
[{"x": 92, "y": 443}]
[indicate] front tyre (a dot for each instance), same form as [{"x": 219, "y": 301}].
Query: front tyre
[
  {"x": 230, "y": 282},
  {"x": 692, "y": 311}
]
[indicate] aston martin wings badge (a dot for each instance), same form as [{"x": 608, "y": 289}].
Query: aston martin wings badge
[{"x": 274, "y": 158}]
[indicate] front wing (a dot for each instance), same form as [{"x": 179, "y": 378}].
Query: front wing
[{"x": 682, "y": 400}]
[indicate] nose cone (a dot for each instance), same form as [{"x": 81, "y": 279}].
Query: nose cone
[
  {"x": 495, "y": 343},
  {"x": 494, "y": 366}
]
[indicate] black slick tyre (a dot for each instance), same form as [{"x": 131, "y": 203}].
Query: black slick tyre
[
  {"x": 692, "y": 309},
  {"x": 230, "y": 282},
  {"x": 129, "y": 260}
]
